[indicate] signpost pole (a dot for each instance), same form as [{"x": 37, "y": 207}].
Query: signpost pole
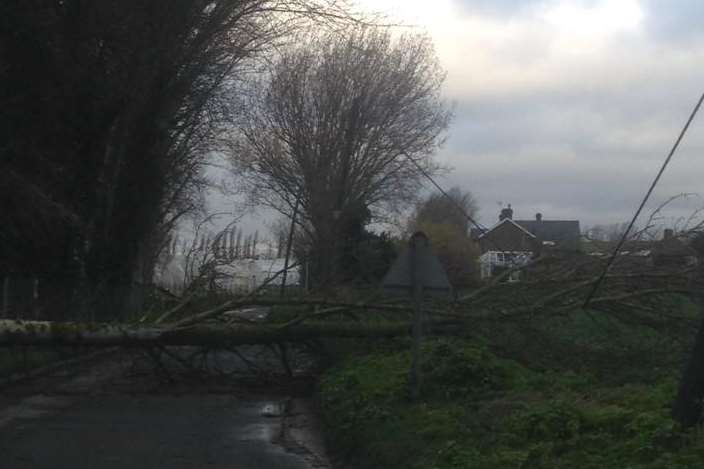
[
  {"x": 417, "y": 292},
  {"x": 417, "y": 271}
]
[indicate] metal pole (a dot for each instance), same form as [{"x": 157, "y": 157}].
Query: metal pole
[
  {"x": 288, "y": 245},
  {"x": 417, "y": 290}
]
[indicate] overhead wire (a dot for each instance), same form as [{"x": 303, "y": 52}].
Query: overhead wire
[
  {"x": 625, "y": 234},
  {"x": 457, "y": 205}
]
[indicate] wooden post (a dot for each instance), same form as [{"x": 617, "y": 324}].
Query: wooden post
[
  {"x": 415, "y": 378},
  {"x": 288, "y": 245}
]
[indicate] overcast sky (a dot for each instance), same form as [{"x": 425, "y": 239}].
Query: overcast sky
[{"x": 567, "y": 107}]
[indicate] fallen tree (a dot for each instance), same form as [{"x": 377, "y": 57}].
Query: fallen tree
[
  {"x": 553, "y": 286},
  {"x": 35, "y": 333}
]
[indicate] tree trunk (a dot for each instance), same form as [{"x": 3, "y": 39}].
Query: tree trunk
[{"x": 46, "y": 333}]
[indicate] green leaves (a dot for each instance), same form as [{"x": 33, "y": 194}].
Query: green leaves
[{"x": 478, "y": 411}]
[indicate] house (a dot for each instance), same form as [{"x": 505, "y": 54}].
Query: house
[
  {"x": 510, "y": 243},
  {"x": 671, "y": 251}
]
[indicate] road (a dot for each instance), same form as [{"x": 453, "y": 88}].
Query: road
[{"x": 109, "y": 416}]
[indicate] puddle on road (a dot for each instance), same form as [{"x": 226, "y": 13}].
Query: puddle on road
[{"x": 273, "y": 409}]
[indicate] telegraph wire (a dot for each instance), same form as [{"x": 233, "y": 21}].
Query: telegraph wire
[
  {"x": 610, "y": 262},
  {"x": 459, "y": 207}
]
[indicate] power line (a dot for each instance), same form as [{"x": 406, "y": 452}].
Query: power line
[
  {"x": 600, "y": 280},
  {"x": 457, "y": 205},
  {"x": 444, "y": 193}
]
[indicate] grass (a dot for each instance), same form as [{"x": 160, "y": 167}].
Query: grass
[{"x": 560, "y": 393}]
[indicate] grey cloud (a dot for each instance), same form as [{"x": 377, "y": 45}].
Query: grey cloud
[
  {"x": 587, "y": 125},
  {"x": 591, "y": 194},
  {"x": 679, "y": 20},
  {"x": 579, "y": 155}
]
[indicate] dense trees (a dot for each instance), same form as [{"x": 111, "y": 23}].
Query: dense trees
[
  {"x": 340, "y": 118},
  {"x": 109, "y": 108}
]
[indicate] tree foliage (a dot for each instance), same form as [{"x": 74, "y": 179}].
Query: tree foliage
[
  {"x": 444, "y": 220},
  {"x": 451, "y": 209},
  {"x": 341, "y": 116},
  {"x": 455, "y": 250}
]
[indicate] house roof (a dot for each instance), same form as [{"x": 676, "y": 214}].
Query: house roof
[
  {"x": 563, "y": 232},
  {"x": 507, "y": 220}
]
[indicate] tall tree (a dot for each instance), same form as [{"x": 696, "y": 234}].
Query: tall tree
[{"x": 341, "y": 116}]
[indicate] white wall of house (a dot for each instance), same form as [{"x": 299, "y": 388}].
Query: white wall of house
[{"x": 491, "y": 259}]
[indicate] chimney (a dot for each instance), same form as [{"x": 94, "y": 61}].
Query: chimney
[
  {"x": 538, "y": 217},
  {"x": 506, "y": 213},
  {"x": 668, "y": 233}
]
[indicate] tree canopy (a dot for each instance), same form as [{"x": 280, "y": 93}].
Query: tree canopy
[{"x": 341, "y": 116}]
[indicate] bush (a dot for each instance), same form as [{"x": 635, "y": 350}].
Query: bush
[{"x": 478, "y": 411}]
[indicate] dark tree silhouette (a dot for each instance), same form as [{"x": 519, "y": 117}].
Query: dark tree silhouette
[{"x": 109, "y": 108}]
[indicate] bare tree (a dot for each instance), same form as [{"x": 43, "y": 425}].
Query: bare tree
[{"x": 341, "y": 116}]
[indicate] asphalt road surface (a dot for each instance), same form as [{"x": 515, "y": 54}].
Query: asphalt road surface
[{"x": 105, "y": 418}]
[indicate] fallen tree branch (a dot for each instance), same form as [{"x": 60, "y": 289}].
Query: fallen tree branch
[
  {"x": 232, "y": 304},
  {"x": 45, "y": 333},
  {"x": 532, "y": 309},
  {"x": 316, "y": 315},
  {"x": 251, "y": 301},
  {"x": 497, "y": 280},
  {"x": 176, "y": 309}
]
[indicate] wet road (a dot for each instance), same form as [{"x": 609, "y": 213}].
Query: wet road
[
  {"x": 103, "y": 419},
  {"x": 148, "y": 432}
]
